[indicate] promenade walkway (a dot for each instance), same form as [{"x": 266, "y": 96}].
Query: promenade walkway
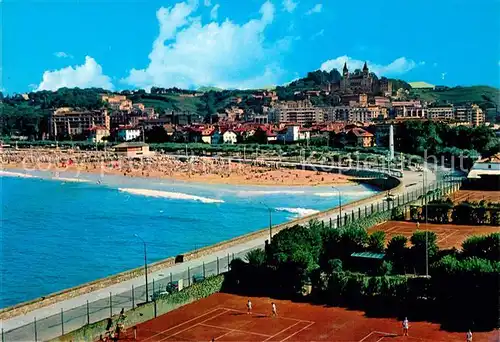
[{"x": 213, "y": 264}]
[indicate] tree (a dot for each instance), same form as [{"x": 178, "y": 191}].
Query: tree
[
  {"x": 486, "y": 247},
  {"x": 256, "y": 257},
  {"x": 376, "y": 242},
  {"x": 397, "y": 252},
  {"x": 423, "y": 241}
]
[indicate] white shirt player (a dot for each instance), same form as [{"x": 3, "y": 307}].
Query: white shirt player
[
  {"x": 469, "y": 336},
  {"x": 274, "y": 309}
]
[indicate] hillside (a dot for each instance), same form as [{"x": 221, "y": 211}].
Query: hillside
[{"x": 460, "y": 95}]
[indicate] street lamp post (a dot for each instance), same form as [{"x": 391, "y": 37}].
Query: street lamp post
[
  {"x": 145, "y": 266},
  {"x": 270, "y": 221},
  {"x": 426, "y": 230},
  {"x": 340, "y": 201}
]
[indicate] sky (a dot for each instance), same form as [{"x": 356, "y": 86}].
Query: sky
[{"x": 131, "y": 44}]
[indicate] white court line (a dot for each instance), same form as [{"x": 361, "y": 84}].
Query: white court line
[
  {"x": 307, "y": 326},
  {"x": 177, "y": 333},
  {"x": 234, "y": 330},
  {"x": 261, "y": 314},
  {"x": 364, "y": 338},
  {"x": 385, "y": 333},
  {"x": 221, "y": 336},
  {"x": 291, "y": 326},
  {"x": 178, "y": 325}
]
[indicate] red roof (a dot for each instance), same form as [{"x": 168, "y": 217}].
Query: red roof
[
  {"x": 359, "y": 132},
  {"x": 95, "y": 128}
]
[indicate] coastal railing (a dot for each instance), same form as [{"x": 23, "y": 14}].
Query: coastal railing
[{"x": 69, "y": 320}]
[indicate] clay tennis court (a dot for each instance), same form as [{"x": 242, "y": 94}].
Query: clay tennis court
[
  {"x": 475, "y": 196},
  {"x": 223, "y": 317},
  {"x": 448, "y": 235}
]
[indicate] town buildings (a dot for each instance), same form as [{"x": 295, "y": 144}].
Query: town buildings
[
  {"x": 469, "y": 114},
  {"x": 98, "y": 134},
  {"x": 441, "y": 113},
  {"x": 128, "y": 133},
  {"x": 66, "y": 121},
  {"x": 301, "y": 112}
]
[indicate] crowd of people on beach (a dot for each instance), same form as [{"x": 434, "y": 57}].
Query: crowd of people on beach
[{"x": 160, "y": 166}]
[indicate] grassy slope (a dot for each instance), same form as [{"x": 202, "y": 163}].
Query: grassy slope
[
  {"x": 460, "y": 95},
  {"x": 174, "y": 102}
]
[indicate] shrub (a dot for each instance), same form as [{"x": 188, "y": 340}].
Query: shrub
[
  {"x": 256, "y": 257},
  {"x": 376, "y": 242},
  {"x": 397, "y": 252},
  {"x": 385, "y": 268},
  {"x": 487, "y": 247},
  {"x": 423, "y": 241},
  {"x": 335, "y": 265}
]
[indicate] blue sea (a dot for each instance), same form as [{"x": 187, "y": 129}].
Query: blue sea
[{"x": 59, "y": 233}]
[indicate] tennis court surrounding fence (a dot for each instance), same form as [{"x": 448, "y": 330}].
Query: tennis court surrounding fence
[{"x": 69, "y": 320}]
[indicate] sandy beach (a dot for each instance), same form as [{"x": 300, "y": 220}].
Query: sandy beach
[{"x": 195, "y": 169}]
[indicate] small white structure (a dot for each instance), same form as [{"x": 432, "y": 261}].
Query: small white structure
[
  {"x": 391, "y": 142},
  {"x": 229, "y": 137},
  {"x": 488, "y": 167},
  {"x": 294, "y": 133},
  {"x": 128, "y": 133}
]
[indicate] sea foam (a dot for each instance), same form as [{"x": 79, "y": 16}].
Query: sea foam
[
  {"x": 74, "y": 180},
  {"x": 15, "y": 174},
  {"x": 344, "y": 193},
  {"x": 269, "y": 192},
  {"x": 299, "y": 211},
  {"x": 170, "y": 195}
]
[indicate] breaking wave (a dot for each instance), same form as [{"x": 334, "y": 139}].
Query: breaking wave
[
  {"x": 270, "y": 192},
  {"x": 74, "y": 180},
  {"x": 301, "y": 212},
  {"x": 170, "y": 195},
  {"x": 15, "y": 174},
  {"x": 345, "y": 193}
]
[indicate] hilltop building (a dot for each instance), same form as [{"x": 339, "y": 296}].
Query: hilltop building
[{"x": 363, "y": 82}]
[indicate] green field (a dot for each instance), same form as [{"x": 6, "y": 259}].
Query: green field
[{"x": 459, "y": 95}]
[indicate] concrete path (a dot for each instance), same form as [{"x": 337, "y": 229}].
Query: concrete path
[{"x": 51, "y": 328}]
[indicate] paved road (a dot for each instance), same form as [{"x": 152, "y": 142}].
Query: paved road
[{"x": 50, "y": 328}]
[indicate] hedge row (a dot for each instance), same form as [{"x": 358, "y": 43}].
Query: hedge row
[{"x": 466, "y": 213}]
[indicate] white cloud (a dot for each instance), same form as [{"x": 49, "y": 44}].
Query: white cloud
[
  {"x": 435, "y": 64},
  {"x": 289, "y": 5},
  {"x": 320, "y": 33},
  {"x": 189, "y": 54},
  {"x": 443, "y": 75},
  {"x": 207, "y": 3},
  {"x": 421, "y": 63},
  {"x": 399, "y": 66},
  {"x": 83, "y": 76},
  {"x": 214, "y": 12},
  {"x": 316, "y": 9},
  {"x": 62, "y": 54}
]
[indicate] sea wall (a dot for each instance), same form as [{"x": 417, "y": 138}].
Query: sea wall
[
  {"x": 146, "y": 312},
  {"x": 76, "y": 291}
]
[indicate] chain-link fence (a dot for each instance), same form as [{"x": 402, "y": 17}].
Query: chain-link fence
[{"x": 70, "y": 320}]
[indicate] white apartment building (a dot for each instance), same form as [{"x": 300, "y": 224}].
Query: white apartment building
[
  {"x": 128, "y": 134},
  {"x": 301, "y": 112},
  {"x": 440, "y": 113}
]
